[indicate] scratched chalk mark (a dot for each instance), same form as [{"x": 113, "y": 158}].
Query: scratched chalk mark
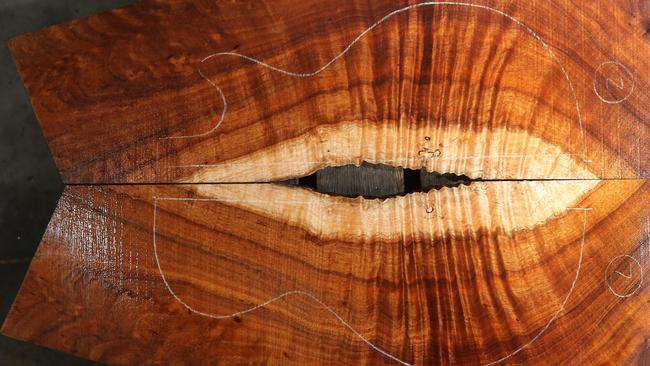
[
  {"x": 311, "y": 296},
  {"x": 342, "y": 53},
  {"x": 624, "y": 276},
  {"x": 613, "y": 82}
]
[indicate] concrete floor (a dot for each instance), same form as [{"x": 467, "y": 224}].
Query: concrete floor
[{"x": 29, "y": 183}]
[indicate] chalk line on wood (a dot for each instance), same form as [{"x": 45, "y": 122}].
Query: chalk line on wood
[
  {"x": 336, "y": 315},
  {"x": 359, "y": 37}
]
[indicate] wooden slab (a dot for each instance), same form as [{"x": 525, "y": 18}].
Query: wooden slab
[
  {"x": 543, "y": 262},
  {"x": 542, "y": 273},
  {"x": 205, "y": 91}
]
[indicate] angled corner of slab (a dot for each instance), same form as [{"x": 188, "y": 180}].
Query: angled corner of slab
[{"x": 14, "y": 324}]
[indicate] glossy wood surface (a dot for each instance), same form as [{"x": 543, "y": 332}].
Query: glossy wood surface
[
  {"x": 217, "y": 274},
  {"x": 196, "y": 91},
  {"x": 171, "y": 120}
]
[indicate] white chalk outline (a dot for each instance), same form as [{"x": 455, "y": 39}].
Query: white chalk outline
[
  {"x": 629, "y": 73},
  {"x": 328, "y": 308},
  {"x": 282, "y": 295},
  {"x": 358, "y": 38},
  {"x": 607, "y": 274}
]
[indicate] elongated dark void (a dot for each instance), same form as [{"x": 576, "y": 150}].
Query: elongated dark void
[{"x": 376, "y": 181}]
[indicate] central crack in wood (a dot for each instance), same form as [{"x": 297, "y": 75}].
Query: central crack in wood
[{"x": 377, "y": 181}]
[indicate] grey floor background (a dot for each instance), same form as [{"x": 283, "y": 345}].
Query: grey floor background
[{"x": 29, "y": 183}]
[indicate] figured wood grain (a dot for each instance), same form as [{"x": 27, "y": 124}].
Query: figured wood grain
[
  {"x": 491, "y": 89},
  {"x": 134, "y": 275},
  {"x": 542, "y": 259}
]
